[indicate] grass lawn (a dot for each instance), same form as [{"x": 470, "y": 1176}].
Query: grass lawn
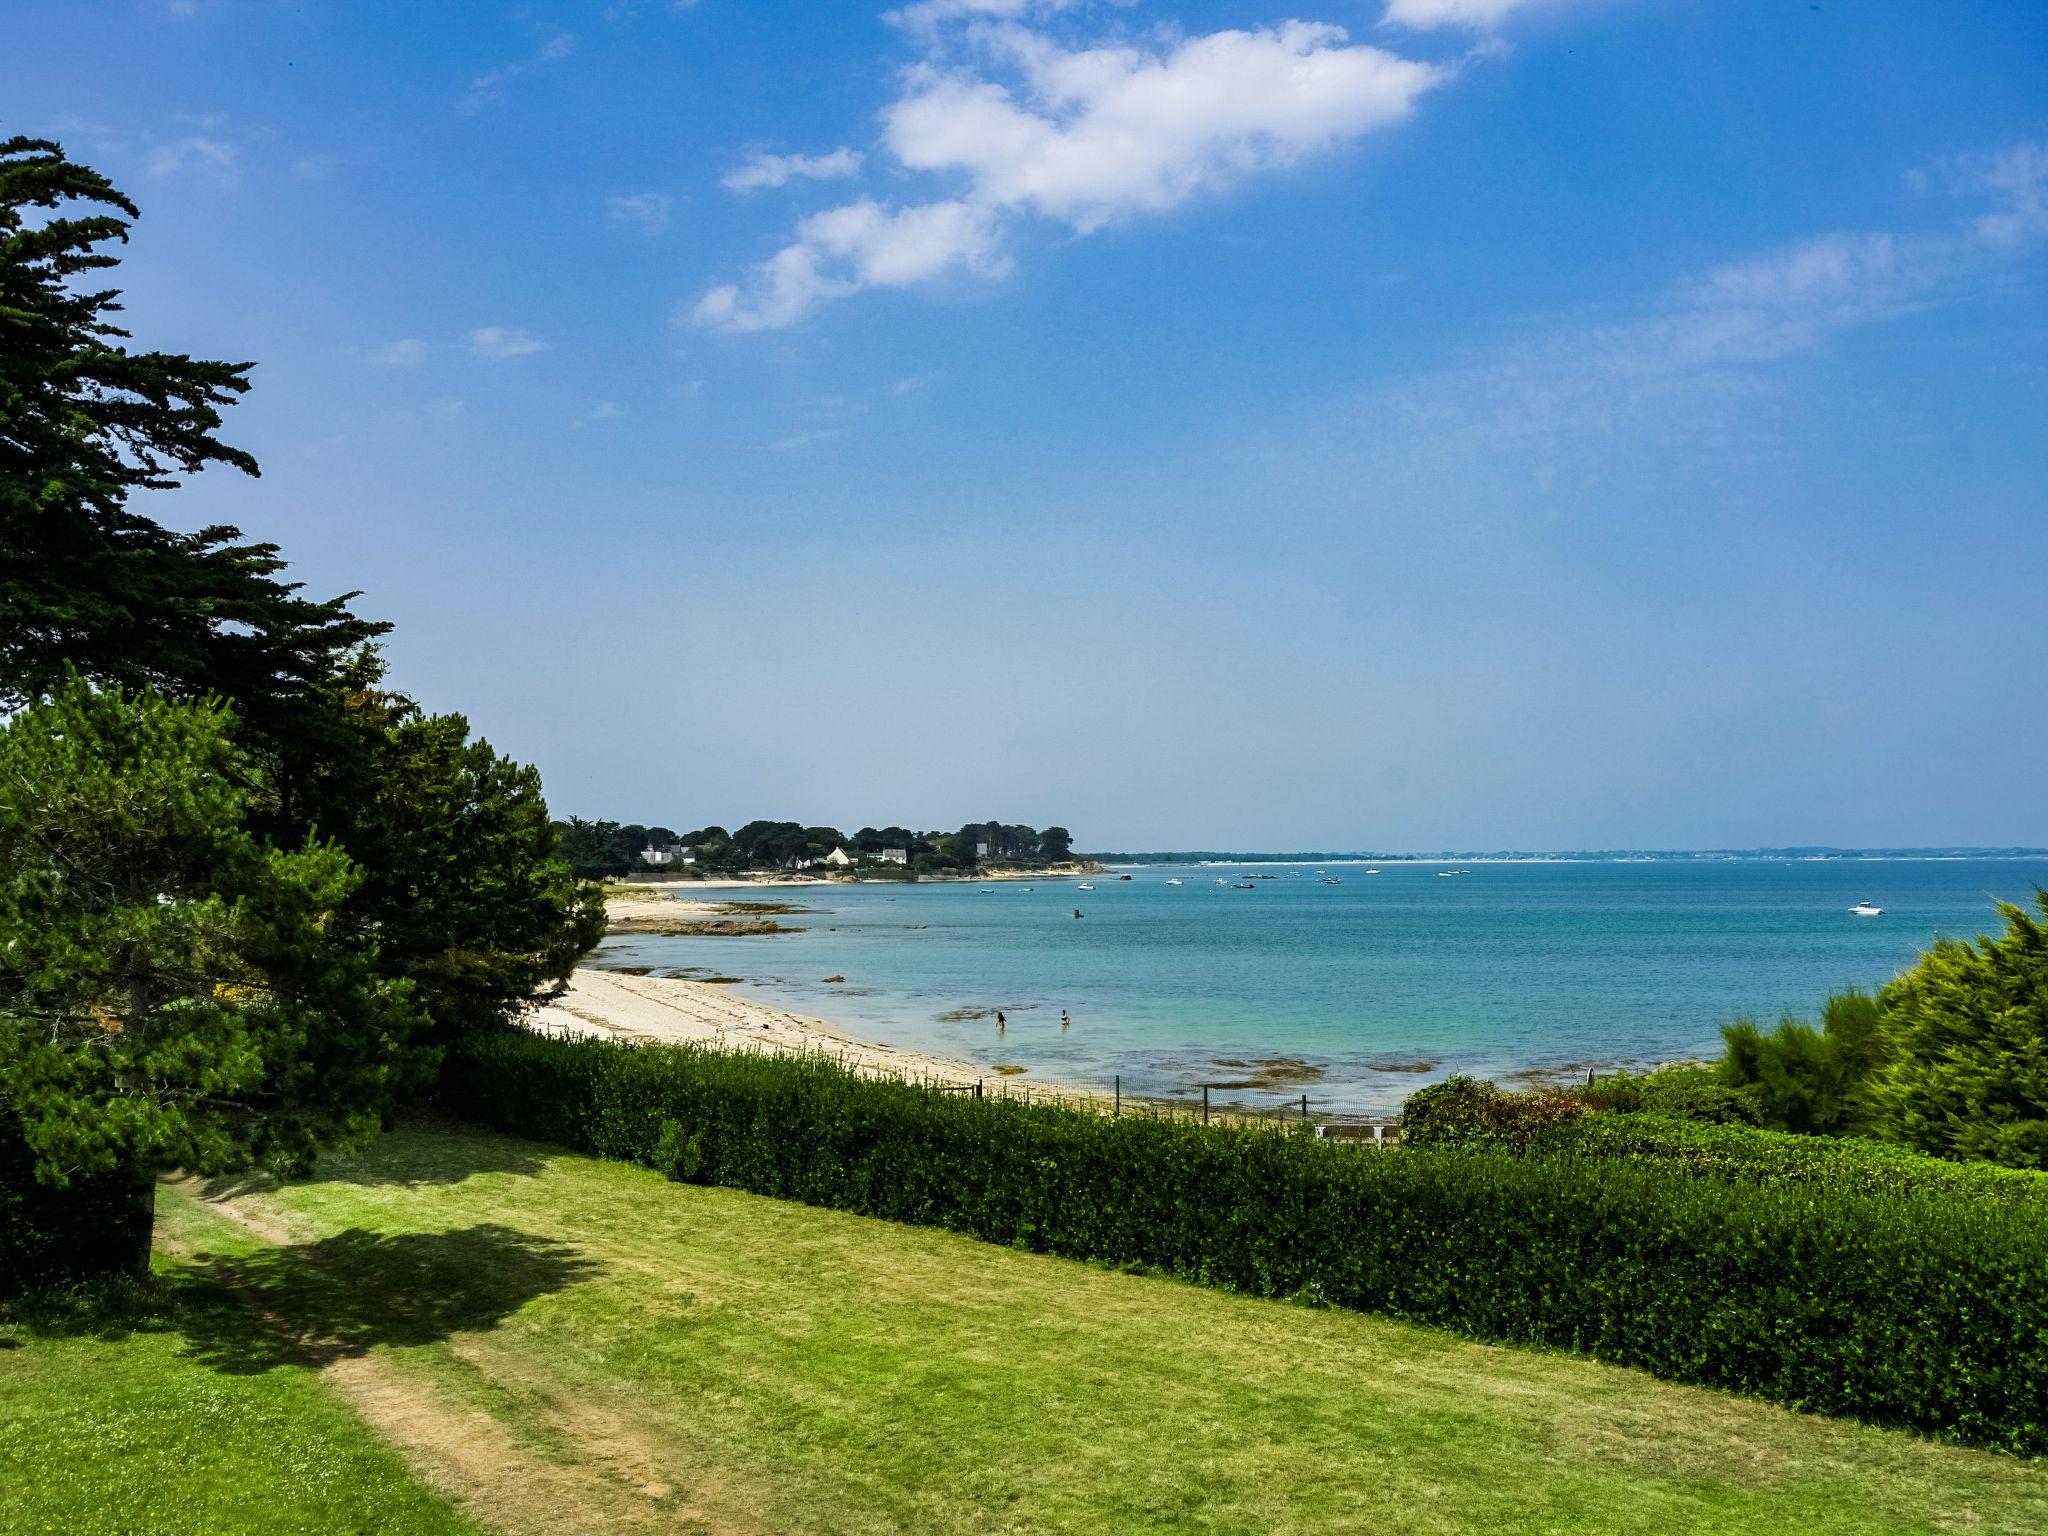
[
  {"x": 110, "y": 1422},
  {"x": 567, "y": 1345}
]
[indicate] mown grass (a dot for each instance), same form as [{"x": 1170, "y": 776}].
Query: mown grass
[
  {"x": 715, "y": 1361},
  {"x": 115, "y": 1416}
]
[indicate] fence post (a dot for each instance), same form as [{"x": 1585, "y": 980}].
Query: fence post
[
  {"x": 1304, "y": 1106},
  {"x": 1205, "y": 1103},
  {"x": 1119, "y": 1096},
  {"x": 977, "y": 1087}
]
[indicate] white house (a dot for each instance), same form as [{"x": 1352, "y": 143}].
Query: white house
[
  {"x": 836, "y": 858},
  {"x": 654, "y": 857},
  {"x": 894, "y": 855}
]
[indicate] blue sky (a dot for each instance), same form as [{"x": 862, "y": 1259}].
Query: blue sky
[{"x": 1452, "y": 423}]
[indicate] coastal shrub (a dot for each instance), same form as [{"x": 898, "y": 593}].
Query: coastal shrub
[
  {"x": 1805, "y": 1079},
  {"x": 1890, "y": 1306},
  {"x": 1965, "y": 1069},
  {"x": 1689, "y": 1092},
  {"x": 1467, "y": 1112}
]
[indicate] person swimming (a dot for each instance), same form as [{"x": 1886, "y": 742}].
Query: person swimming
[
  {"x": 1002, "y": 1024},
  {"x": 1064, "y": 1020}
]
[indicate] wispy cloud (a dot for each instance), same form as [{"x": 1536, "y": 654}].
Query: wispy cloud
[
  {"x": 496, "y": 343},
  {"x": 789, "y": 442},
  {"x": 488, "y": 88},
  {"x": 1084, "y": 136},
  {"x": 406, "y": 352},
  {"x": 647, "y": 210},
  {"x": 201, "y": 152},
  {"x": 760, "y": 170},
  {"x": 1477, "y": 15},
  {"x": 1550, "y": 406},
  {"x": 603, "y": 411}
]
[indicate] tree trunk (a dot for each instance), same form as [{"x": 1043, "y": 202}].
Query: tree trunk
[{"x": 128, "y": 1248}]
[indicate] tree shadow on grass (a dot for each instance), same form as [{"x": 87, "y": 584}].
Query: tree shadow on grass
[
  {"x": 311, "y": 1304},
  {"x": 426, "y": 1149}
]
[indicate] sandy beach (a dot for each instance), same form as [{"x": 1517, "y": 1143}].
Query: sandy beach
[{"x": 667, "y": 1010}]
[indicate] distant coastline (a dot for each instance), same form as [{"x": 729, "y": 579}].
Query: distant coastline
[{"x": 1575, "y": 856}]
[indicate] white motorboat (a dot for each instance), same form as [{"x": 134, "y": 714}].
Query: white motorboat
[
  {"x": 1084, "y": 886},
  {"x": 1174, "y": 881},
  {"x": 1372, "y": 871},
  {"x": 1866, "y": 909}
]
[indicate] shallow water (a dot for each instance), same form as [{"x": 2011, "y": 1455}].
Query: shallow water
[{"x": 1355, "y": 993}]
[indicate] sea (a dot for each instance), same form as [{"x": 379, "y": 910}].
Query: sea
[{"x": 1328, "y": 982}]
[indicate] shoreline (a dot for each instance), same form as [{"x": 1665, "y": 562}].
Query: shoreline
[{"x": 672, "y": 1010}]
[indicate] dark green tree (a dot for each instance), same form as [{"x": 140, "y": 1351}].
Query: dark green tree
[
  {"x": 462, "y": 892},
  {"x": 86, "y": 581},
  {"x": 176, "y": 991},
  {"x": 1056, "y": 844},
  {"x": 1965, "y": 1071}
]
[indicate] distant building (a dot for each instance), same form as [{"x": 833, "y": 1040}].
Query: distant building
[
  {"x": 894, "y": 855},
  {"x": 981, "y": 848},
  {"x": 655, "y": 858},
  {"x": 836, "y": 858}
]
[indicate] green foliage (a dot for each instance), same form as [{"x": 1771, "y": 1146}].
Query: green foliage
[
  {"x": 1466, "y": 1112},
  {"x": 1685, "y": 1092},
  {"x": 462, "y": 894},
  {"x": 1893, "y": 1308},
  {"x": 1965, "y": 1072},
  {"x": 1807, "y": 1080},
  {"x": 173, "y": 990},
  {"x": 1756, "y": 1156},
  {"x": 86, "y": 583}
]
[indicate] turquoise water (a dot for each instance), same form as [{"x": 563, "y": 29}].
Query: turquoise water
[{"x": 1362, "y": 990}]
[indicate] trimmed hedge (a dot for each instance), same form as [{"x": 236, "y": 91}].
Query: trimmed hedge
[
  {"x": 1778, "y": 1157},
  {"x": 1894, "y": 1309}
]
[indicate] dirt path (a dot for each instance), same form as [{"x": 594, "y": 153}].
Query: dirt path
[{"x": 583, "y": 1464}]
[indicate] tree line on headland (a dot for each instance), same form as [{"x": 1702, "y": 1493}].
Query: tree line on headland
[
  {"x": 249, "y": 892},
  {"x": 604, "y": 849}
]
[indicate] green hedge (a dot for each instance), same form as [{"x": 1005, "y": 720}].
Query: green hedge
[
  {"x": 1778, "y": 1157},
  {"x": 1895, "y": 1309}
]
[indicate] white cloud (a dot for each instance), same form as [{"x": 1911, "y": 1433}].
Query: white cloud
[
  {"x": 406, "y": 352},
  {"x": 1480, "y": 15},
  {"x": 760, "y": 170},
  {"x": 649, "y": 210},
  {"x": 846, "y": 249},
  {"x": 489, "y": 87},
  {"x": 1084, "y": 136},
  {"x": 1553, "y": 407},
  {"x": 193, "y": 152},
  {"x": 495, "y": 343}
]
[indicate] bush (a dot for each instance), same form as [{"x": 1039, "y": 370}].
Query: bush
[
  {"x": 1805, "y": 1079},
  {"x": 1466, "y": 1112},
  {"x": 1892, "y": 1307},
  {"x": 1681, "y": 1093},
  {"x": 1965, "y": 1072},
  {"x": 1759, "y": 1156}
]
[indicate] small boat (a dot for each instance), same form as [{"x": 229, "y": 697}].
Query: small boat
[
  {"x": 1243, "y": 885},
  {"x": 988, "y": 890},
  {"x": 1866, "y": 909},
  {"x": 1445, "y": 874},
  {"x": 1372, "y": 871},
  {"x": 1332, "y": 880},
  {"x": 1084, "y": 886},
  {"x": 1174, "y": 881},
  {"x": 1221, "y": 881}
]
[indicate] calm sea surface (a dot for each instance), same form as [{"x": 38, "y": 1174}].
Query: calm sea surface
[{"x": 1354, "y": 993}]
